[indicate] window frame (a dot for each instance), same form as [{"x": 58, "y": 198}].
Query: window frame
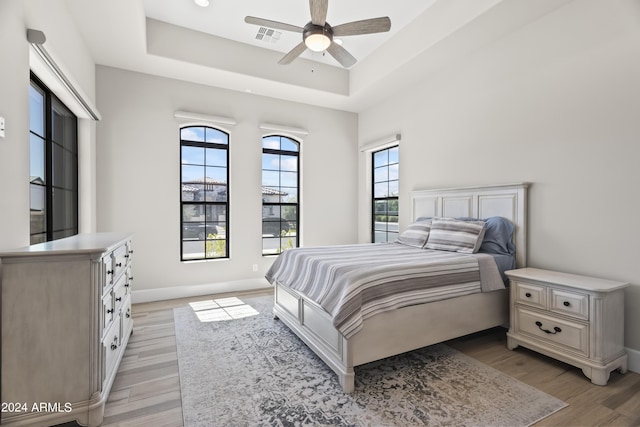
[
  {"x": 54, "y": 213},
  {"x": 209, "y": 244},
  {"x": 388, "y": 198},
  {"x": 280, "y": 204}
]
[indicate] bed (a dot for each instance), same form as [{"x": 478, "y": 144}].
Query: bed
[{"x": 346, "y": 328}]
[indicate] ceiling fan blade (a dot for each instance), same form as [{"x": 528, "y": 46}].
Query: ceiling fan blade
[
  {"x": 366, "y": 26},
  {"x": 293, "y": 54},
  {"x": 319, "y": 11},
  {"x": 273, "y": 24},
  {"x": 341, "y": 55}
]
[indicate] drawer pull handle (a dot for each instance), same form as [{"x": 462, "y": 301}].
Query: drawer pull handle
[
  {"x": 555, "y": 329},
  {"x": 119, "y": 264},
  {"x": 528, "y": 295},
  {"x": 566, "y": 304},
  {"x": 126, "y": 255},
  {"x": 128, "y": 315},
  {"x": 119, "y": 299},
  {"x": 109, "y": 271},
  {"x": 126, "y": 285},
  {"x": 109, "y": 310}
]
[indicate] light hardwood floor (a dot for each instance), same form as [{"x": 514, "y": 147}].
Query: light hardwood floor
[{"x": 146, "y": 391}]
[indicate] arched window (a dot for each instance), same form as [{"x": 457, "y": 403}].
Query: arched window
[
  {"x": 204, "y": 193},
  {"x": 280, "y": 194}
]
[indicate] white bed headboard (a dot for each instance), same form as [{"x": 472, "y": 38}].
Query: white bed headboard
[{"x": 508, "y": 201}]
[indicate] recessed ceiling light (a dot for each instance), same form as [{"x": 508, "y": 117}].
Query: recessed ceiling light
[{"x": 201, "y": 3}]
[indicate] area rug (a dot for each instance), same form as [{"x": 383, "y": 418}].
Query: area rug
[{"x": 241, "y": 367}]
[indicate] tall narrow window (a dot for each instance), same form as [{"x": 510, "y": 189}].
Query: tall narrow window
[
  {"x": 204, "y": 193},
  {"x": 385, "y": 195},
  {"x": 280, "y": 190},
  {"x": 53, "y": 158}
]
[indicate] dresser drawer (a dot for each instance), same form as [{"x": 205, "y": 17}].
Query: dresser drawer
[
  {"x": 570, "y": 303},
  {"x": 120, "y": 257},
  {"x": 572, "y": 336},
  {"x": 127, "y": 319},
  {"x": 532, "y": 295},
  {"x": 107, "y": 312},
  {"x": 120, "y": 292},
  {"x": 111, "y": 345},
  {"x": 107, "y": 270}
]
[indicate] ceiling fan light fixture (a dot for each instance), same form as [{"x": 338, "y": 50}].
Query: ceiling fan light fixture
[
  {"x": 317, "y": 42},
  {"x": 317, "y": 38}
]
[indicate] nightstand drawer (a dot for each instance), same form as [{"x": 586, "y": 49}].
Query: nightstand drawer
[
  {"x": 570, "y": 335},
  {"x": 532, "y": 295},
  {"x": 570, "y": 303}
]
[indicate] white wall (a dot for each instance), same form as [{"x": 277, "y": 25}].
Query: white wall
[
  {"x": 14, "y": 107},
  {"x": 139, "y": 178},
  {"x": 554, "y": 103},
  {"x": 65, "y": 45}
]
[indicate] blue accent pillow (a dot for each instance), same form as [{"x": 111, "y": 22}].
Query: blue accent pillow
[{"x": 498, "y": 236}]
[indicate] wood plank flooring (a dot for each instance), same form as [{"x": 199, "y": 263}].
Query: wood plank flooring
[{"x": 146, "y": 391}]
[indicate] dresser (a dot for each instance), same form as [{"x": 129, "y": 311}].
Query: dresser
[
  {"x": 66, "y": 320},
  {"x": 576, "y": 319}
]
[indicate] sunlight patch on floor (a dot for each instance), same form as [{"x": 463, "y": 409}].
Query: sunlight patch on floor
[{"x": 222, "y": 309}]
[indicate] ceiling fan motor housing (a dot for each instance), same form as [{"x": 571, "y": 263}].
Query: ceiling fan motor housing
[{"x": 322, "y": 32}]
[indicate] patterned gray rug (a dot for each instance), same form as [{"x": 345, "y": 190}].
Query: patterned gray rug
[{"x": 240, "y": 367}]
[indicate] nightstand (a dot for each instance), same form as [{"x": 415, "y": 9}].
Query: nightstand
[{"x": 576, "y": 319}]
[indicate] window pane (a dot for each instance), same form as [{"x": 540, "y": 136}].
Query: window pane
[
  {"x": 216, "y": 175},
  {"x": 193, "y": 250},
  {"x": 381, "y": 174},
  {"x": 380, "y": 158},
  {"x": 393, "y": 188},
  {"x": 393, "y": 172},
  {"x": 57, "y": 166},
  {"x": 271, "y": 142},
  {"x": 289, "y": 179},
  {"x": 192, "y": 134},
  {"x": 271, "y": 178},
  {"x": 63, "y": 125},
  {"x": 217, "y": 193},
  {"x": 215, "y": 136},
  {"x": 270, "y": 245},
  {"x": 193, "y": 212},
  {"x": 36, "y": 158},
  {"x": 289, "y": 163},
  {"x": 193, "y": 231},
  {"x": 393, "y": 155},
  {"x": 290, "y": 213},
  {"x": 36, "y": 110},
  {"x": 216, "y": 157},
  {"x": 270, "y": 161},
  {"x": 192, "y": 155},
  {"x": 216, "y": 213},
  {"x": 288, "y": 145},
  {"x": 381, "y": 189},
  {"x": 216, "y": 248},
  {"x": 288, "y": 195},
  {"x": 192, "y": 174}
]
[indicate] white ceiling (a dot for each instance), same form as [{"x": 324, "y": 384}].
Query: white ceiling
[
  {"x": 225, "y": 18},
  {"x": 214, "y": 46}
]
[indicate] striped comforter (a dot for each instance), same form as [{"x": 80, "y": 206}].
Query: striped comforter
[{"x": 354, "y": 282}]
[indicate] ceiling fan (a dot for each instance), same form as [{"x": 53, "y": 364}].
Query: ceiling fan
[{"x": 318, "y": 35}]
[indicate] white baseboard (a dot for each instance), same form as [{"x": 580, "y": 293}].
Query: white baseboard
[
  {"x": 160, "y": 294},
  {"x": 633, "y": 360}
]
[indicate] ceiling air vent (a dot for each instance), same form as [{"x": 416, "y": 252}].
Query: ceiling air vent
[{"x": 268, "y": 35}]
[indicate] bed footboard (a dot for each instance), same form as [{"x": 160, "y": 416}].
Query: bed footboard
[{"x": 389, "y": 333}]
